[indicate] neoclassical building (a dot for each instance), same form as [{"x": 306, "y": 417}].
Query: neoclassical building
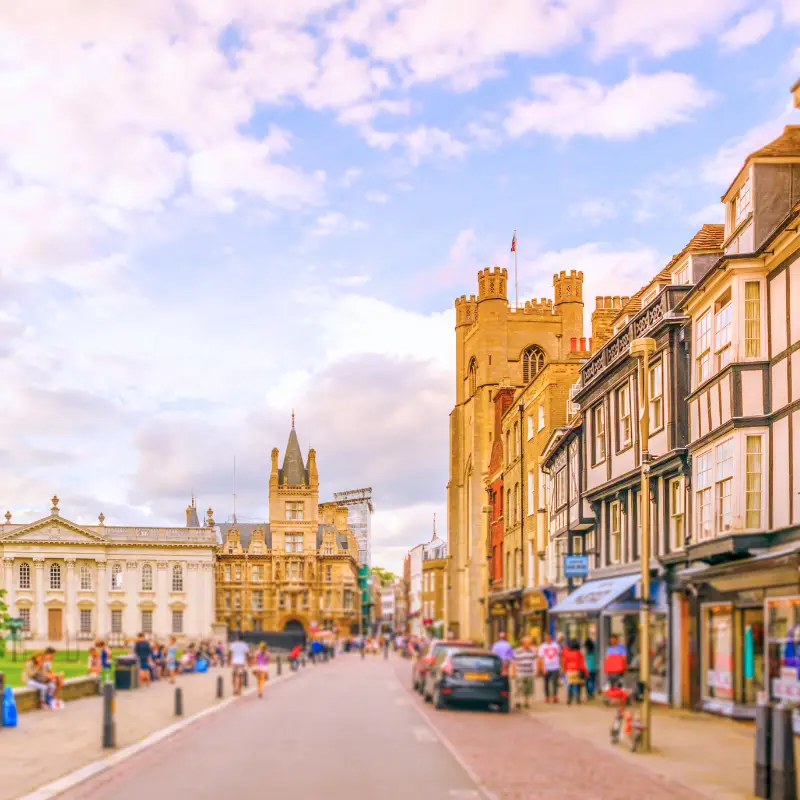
[
  {"x": 70, "y": 582},
  {"x": 297, "y": 570}
]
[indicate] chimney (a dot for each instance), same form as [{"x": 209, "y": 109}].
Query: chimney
[{"x": 573, "y": 344}]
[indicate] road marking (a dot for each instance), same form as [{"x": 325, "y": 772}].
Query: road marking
[
  {"x": 424, "y": 734},
  {"x": 82, "y": 774},
  {"x": 448, "y": 745}
]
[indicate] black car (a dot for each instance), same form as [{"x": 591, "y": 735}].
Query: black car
[{"x": 468, "y": 674}]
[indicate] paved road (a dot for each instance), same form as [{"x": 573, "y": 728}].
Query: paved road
[{"x": 342, "y": 729}]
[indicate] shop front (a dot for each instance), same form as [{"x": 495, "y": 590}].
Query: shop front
[
  {"x": 748, "y": 616},
  {"x": 602, "y": 608},
  {"x": 504, "y": 616},
  {"x": 535, "y": 606}
]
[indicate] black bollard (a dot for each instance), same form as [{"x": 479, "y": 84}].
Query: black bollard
[
  {"x": 763, "y": 750},
  {"x": 220, "y": 686},
  {"x": 109, "y": 726},
  {"x": 783, "y": 775},
  {"x": 278, "y": 664},
  {"x": 178, "y": 701}
]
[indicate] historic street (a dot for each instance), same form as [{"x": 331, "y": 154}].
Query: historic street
[{"x": 353, "y": 728}]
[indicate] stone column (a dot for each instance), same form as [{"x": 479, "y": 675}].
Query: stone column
[
  {"x": 132, "y": 615},
  {"x": 8, "y": 583},
  {"x": 71, "y": 600},
  {"x": 210, "y": 590},
  {"x": 40, "y": 621},
  {"x": 102, "y": 625},
  {"x": 161, "y": 617},
  {"x": 194, "y": 599}
]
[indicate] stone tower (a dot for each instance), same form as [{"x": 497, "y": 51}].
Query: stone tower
[{"x": 495, "y": 345}]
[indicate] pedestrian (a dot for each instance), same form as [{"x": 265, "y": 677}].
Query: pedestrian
[
  {"x": 260, "y": 668},
  {"x": 575, "y": 670},
  {"x": 502, "y": 648},
  {"x": 524, "y": 666},
  {"x": 172, "y": 659},
  {"x": 143, "y": 653},
  {"x": 94, "y": 662},
  {"x": 105, "y": 661},
  {"x": 616, "y": 662},
  {"x": 294, "y": 657},
  {"x": 590, "y": 657},
  {"x": 550, "y": 658},
  {"x": 239, "y": 659}
]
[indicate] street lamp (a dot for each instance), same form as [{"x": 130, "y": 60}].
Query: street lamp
[{"x": 641, "y": 349}]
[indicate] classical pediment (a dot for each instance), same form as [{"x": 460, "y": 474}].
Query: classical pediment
[{"x": 50, "y": 529}]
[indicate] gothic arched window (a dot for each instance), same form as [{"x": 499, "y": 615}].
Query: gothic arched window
[
  {"x": 473, "y": 376},
  {"x": 532, "y": 362}
]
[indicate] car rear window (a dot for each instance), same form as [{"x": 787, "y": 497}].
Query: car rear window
[
  {"x": 478, "y": 662},
  {"x": 445, "y": 648}
]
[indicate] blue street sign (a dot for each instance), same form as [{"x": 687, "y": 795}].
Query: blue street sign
[{"x": 576, "y": 566}]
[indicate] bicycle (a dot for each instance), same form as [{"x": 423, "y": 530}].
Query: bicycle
[{"x": 627, "y": 723}]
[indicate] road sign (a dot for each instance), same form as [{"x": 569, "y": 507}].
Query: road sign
[{"x": 576, "y": 566}]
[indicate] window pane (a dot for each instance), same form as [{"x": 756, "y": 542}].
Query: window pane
[
  {"x": 753, "y": 482},
  {"x": 752, "y": 319}
]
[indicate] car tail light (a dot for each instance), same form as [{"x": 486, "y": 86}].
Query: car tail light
[
  {"x": 447, "y": 667},
  {"x": 504, "y": 694}
]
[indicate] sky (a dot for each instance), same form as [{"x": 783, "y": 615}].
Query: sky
[{"x": 213, "y": 212}]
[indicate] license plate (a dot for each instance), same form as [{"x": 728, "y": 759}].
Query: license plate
[{"x": 476, "y": 676}]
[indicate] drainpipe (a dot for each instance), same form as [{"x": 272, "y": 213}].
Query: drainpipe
[{"x": 523, "y": 488}]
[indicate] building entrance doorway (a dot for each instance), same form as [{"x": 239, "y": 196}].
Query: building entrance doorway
[{"x": 54, "y": 628}]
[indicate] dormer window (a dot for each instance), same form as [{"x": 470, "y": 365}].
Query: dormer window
[
  {"x": 683, "y": 275},
  {"x": 742, "y": 204},
  {"x": 650, "y": 296}
]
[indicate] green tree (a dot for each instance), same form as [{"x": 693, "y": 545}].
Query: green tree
[
  {"x": 383, "y": 575},
  {"x": 4, "y": 615}
]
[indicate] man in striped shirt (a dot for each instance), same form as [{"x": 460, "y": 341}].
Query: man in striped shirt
[{"x": 524, "y": 671}]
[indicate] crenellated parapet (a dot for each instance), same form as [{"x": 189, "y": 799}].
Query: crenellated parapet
[
  {"x": 466, "y": 310},
  {"x": 492, "y": 284}
]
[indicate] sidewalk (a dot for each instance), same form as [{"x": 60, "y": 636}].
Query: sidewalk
[
  {"x": 711, "y": 754},
  {"x": 49, "y": 744}
]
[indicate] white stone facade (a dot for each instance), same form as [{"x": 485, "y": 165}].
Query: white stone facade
[{"x": 75, "y": 583}]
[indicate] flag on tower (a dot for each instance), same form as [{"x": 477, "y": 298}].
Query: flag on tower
[{"x": 514, "y": 243}]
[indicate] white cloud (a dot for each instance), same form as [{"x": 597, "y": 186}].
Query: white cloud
[
  {"x": 336, "y": 222},
  {"x": 723, "y": 166},
  {"x": 351, "y": 281},
  {"x": 365, "y": 113},
  {"x": 751, "y": 28},
  {"x": 374, "y": 196},
  {"x": 713, "y": 212},
  {"x": 350, "y": 176},
  {"x": 593, "y": 211},
  {"x": 659, "y": 28},
  {"x": 567, "y": 106},
  {"x": 424, "y": 142}
]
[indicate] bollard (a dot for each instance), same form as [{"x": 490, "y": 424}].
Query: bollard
[
  {"x": 783, "y": 775},
  {"x": 220, "y": 687},
  {"x": 278, "y": 664},
  {"x": 109, "y": 726},
  {"x": 178, "y": 701},
  {"x": 763, "y": 749}
]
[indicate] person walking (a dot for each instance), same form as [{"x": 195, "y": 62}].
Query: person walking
[
  {"x": 172, "y": 659},
  {"x": 261, "y": 667},
  {"x": 524, "y": 666},
  {"x": 239, "y": 659},
  {"x": 503, "y": 648},
  {"x": 590, "y": 657},
  {"x": 143, "y": 653},
  {"x": 574, "y": 670},
  {"x": 550, "y": 657},
  {"x": 616, "y": 662}
]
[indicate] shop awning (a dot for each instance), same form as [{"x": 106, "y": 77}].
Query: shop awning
[{"x": 594, "y": 596}]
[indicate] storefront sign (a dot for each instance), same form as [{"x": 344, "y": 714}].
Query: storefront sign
[
  {"x": 576, "y": 566},
  {"x": 535, "y": 601},
  {"x": 595, "y": 595}
]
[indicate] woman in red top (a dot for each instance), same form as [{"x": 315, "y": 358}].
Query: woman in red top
[{"x": 574, "y": 669}]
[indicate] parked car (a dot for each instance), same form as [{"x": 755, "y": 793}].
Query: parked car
[
  {"x": 426, "y": 658},
  {"x": 470, "y": 674}
]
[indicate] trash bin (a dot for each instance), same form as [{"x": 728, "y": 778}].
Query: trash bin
[{"x": 126, "y": 672}]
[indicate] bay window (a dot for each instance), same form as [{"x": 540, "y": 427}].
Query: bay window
[
  {"x": 723, "y": 324},
  {"x": 753, "y": 481},
  {"x": 723, "y": 454},
  {"x": 703, "y": 498},
  {"x": 752, "y": 319},
  {"x": 656, "y": 391}
]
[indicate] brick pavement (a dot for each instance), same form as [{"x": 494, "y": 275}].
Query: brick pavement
[
  {"x": 49, "y": 744},
  {"x": 519, "y": 756}
]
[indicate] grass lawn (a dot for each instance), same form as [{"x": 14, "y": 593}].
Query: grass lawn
[{"x": 72, "y": 665}]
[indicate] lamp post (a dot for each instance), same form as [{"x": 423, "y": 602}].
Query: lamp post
[{"x": 641, "y": 349}]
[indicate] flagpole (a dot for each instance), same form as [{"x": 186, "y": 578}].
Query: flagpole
[{"x": 516, "y": 280}]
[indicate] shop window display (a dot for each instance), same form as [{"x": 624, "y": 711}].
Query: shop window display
[
  {"x": 719, "y": 654},
  {"x": 784, "y": 648},
  {"x": 626, "y": 628},
  {"x": 752, "y": 682}
]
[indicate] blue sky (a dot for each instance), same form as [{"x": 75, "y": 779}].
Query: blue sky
[{"x": 213, "y": 213}]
